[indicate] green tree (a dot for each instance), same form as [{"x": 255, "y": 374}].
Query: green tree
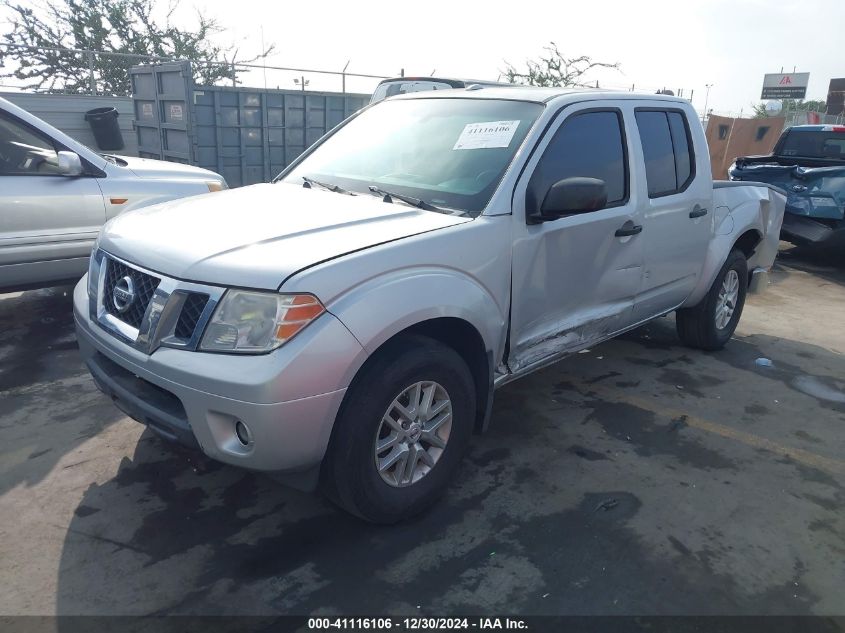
[
  {"x": 116, "y": 26},
  {"x": 553, "y": 69},
  {"x": 790, "y": 105},
  {"x": 759, "y": 110}
]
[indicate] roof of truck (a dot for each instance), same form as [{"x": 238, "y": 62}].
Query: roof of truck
[
  {"x": 457, "y": 82},
  {"x": 532, "y": 93}
]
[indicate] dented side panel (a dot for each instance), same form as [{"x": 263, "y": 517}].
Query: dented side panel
[{"x": 741, "y": 208}]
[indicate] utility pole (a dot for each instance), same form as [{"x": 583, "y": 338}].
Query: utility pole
[
  {"x": 706, "y": 101},
  {"x": 91, "y": 79},
  {"x": 263, "y": 59}
]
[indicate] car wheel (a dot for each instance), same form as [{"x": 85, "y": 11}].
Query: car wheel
[
  {"x": 402, "y": 429},
  {"x": 711, "y": 323}
]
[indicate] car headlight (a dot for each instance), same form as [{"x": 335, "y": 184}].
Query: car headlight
[
  {"x": 94, "y": 263},
  {"x": 254, "y": 322},
  {"x": 216, "y": 185}
]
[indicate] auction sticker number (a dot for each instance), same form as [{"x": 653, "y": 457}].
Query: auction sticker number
[{"x": 486, "y": 135}]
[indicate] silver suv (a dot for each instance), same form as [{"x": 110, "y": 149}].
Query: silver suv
[
  {"x": 347, "y": 324},
  {"x": 55, "y": 194}
]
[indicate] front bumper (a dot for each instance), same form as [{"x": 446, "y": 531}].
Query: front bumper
[{"x": 288, "y": 399}]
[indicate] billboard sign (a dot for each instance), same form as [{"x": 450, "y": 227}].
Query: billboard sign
[{"x": 785, "y": 86}]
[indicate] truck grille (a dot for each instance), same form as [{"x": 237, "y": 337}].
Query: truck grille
[
  {"x": 190, "y": 315},
  {"x": 148, "y": 310},
  {"x": 135, "y": 303}
]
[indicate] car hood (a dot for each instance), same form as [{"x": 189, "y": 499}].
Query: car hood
[
  {"x": 150, "y": 168},
  {"x": 257, "y": 236}
]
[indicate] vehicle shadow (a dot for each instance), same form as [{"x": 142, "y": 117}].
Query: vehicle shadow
[
  {"x": 829, "y": 264},
  {"x": 557, "y": 510},
  {"x": 44, "y": 386}
]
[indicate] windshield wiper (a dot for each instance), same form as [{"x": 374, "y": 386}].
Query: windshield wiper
[
  {"x": 414, "y": 202},
  {"x": 308, "y": 182}
]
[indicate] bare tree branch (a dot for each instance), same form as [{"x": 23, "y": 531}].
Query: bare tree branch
[
  {"x": 553, "y": 69},
  {"x": 117, "y": 26}
]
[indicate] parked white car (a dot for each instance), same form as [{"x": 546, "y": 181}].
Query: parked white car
[
  {"x": 55, "y": 194},
  {"x": 406, "y": 85},
  {"x": 348, "y": 323}
]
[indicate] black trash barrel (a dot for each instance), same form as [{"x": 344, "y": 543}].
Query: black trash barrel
[{"x": 103, "y": 122}]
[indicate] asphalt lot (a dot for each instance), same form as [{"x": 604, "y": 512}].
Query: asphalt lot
[{"x": 640, "y": 477}]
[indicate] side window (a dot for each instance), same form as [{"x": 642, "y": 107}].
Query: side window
[
  {"x": 669, "y": 159},
  {"x": 23, "y": 152},
  {"x": 590, "y": 144},
  {"x": 683, "y": 151}
]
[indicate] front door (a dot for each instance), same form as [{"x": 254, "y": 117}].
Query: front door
[
  {"x": 48, "y": 222},
  {"x": 575, "y": 279}
]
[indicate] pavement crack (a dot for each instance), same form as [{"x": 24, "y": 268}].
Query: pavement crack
[{"x": 104, "y": 539}]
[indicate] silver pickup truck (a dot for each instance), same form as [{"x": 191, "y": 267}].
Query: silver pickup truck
[{"x": 347, "y": 324}]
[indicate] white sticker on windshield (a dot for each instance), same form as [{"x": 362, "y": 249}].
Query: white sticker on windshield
[{"x": 487, "y": 134}]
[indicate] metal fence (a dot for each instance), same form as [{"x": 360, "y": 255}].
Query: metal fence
[
  {"x": 247, "y": 135},
  {"x": 813, "y": 118}
]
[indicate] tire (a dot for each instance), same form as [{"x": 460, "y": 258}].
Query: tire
[
  {"x": 698, "y": 326},
  {"x": 350, "y": 476}
]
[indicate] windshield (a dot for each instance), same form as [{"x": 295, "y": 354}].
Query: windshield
[
  {"x": 822, "y": 145},
  {"x": 447, "y": 152}
]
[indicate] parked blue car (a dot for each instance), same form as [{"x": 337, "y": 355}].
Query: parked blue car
[{"x": 808, "y": 162}]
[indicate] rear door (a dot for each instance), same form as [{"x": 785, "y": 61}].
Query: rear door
[
  {"x": 678, "y": 194},
  {"x": 48, "y": 222},
  {"x": 574, "y": 279}
]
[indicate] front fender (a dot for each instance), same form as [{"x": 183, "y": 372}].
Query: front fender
[{"x": 383, "y": 306}]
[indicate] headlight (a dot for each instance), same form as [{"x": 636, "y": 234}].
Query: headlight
[
  {"x": 94, "y": 269},
  {"x": 216, "y": 185},
  {"x": 251, "y": 322}
]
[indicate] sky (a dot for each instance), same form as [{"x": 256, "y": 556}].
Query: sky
[{"x": 677, "y": 44}]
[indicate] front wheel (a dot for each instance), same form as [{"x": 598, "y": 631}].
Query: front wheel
[
  {"x": 711, "y": 323},
  {"x": 401, "y": 432}
]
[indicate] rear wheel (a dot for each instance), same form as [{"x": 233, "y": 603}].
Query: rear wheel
[
  {"x": 401, "y": 432},
  {"x": 711, "y": 323}
]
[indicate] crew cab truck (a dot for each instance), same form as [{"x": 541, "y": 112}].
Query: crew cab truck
[{"x": 346, "y": 325}]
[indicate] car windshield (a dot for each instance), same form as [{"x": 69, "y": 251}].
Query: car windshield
[
  {"x": 821, "y": 144},
  {"x": 446, "y": 152}
]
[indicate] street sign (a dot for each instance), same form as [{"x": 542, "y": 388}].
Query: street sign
[{"x": 785, "y": 86}]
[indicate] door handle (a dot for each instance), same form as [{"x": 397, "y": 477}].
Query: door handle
[
  {"x": 698, "y": 212},
  {"x": 628, "y": 229}
]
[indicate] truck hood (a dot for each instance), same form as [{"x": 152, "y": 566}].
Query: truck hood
[
  {"x": 257, "y": 236},
  {"x": 150, "y": 168}
]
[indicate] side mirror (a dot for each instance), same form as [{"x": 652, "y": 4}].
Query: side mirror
[
  {"x": 69, "y": 164},
  {"x": 573, "y": 195}
]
